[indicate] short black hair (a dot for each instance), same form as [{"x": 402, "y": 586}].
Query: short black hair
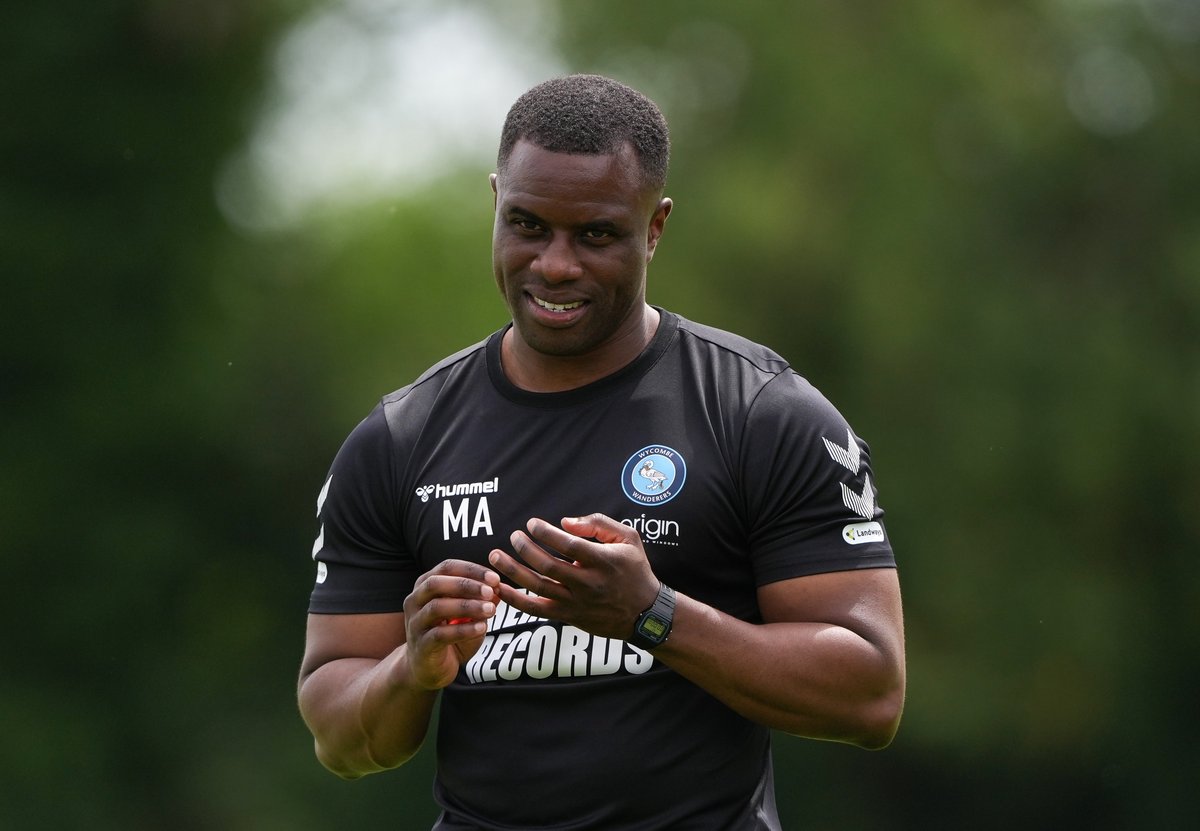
[{"x": 593, "y": 115}]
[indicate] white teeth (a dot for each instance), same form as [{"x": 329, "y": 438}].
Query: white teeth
[{"x": 557, "y": 307}]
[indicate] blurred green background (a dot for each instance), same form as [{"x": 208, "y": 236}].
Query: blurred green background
[{"x": 227, "y": 228}]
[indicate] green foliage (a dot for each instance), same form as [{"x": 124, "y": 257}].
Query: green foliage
[{"x": 922, "y": 205}]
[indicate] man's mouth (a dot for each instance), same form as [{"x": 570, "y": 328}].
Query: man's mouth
[{"x": 557, "y": 307}]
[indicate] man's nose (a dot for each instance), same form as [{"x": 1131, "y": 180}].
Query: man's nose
[{"x": 558, "y": 261}]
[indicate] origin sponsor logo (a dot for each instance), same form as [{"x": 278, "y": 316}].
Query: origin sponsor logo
[
  {"x": 654, "y": 530},
  {"x": 863, "y": 532}
]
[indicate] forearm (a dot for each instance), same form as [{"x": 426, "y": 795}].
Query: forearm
[
  {"x": 817, "y": 680},
  {"x": 363, "y": 714},
  {"x": 827, "y": 663}
]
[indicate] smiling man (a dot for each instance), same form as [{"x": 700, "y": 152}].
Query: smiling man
[
  {"x": 618, "y": 546},
  {"x": 573, "y": 236}
]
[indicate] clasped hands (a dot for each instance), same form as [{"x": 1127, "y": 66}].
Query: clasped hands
[{"x": 592, "y": 572}]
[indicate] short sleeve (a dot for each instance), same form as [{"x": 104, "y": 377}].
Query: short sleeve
[
  {"x": 812, "y": 500},
  {"x": 362, "y": 564}
]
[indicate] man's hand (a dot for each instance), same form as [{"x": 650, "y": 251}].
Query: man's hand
[
  {"x": 591, "y": 573},
  {"x": 445, "y": 618}
]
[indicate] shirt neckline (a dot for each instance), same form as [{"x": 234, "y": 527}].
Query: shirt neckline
[{"x": 668, "y": 324}]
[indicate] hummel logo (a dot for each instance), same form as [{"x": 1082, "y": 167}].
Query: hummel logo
[
  {"x": 458, "y": 489},
  {"x": 862, "y": 504},
  {"x": 849, "y": 456}
]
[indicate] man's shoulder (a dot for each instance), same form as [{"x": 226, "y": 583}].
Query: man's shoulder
[
  {"x": 730, "y": 348},
  {"x": 405, "y": 410},
  {"x": 747, "y": 368},
  {"x": 437, "y": 375}
]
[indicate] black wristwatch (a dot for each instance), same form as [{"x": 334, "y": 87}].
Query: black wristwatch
[{"x": 654, "y": 625}]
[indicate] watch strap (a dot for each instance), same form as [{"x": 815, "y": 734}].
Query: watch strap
[{"x": 653, "y": 626}]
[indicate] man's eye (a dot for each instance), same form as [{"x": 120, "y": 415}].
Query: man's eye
[
  {"x": 527, "y": 225},
  {"x": 596, "y": 235}
]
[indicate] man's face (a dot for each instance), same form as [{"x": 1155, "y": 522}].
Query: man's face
[{"x": 572, "y": 239}]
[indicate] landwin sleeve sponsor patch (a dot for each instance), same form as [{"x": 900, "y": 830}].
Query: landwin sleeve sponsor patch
[{"x": 863, "y": 532}]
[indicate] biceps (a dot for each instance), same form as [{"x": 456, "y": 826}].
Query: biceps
[
  {"x": 864, "y": 601},
  {"x": 331, "y": 637}
]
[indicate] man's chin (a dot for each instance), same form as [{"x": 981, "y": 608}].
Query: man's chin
[{"x": 552, "y": 343}]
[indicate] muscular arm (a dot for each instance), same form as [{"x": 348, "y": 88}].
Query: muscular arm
[
  {"x": 827, "y": 662},
  {"x": 368, "y": 683},
  {"x": 356, "y": 696}
]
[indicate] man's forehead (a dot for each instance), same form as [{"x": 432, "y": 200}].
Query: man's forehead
[{"x": 529, "y": 158}]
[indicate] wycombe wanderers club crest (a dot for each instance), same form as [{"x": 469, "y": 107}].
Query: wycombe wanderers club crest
[{"x": 653, "y": 475}]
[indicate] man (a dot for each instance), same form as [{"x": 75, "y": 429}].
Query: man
[{"x": 622, "y": 547}]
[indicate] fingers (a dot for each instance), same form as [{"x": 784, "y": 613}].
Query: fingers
[
  {"x": 456, "y": 593},
  {"x": 531, "y": 604},
  {"x": 445, "y": 619},
  {"x": 576, "y": 541},
  {"x": 585, "y": 572},
  {"x": 457, "y": 578},
  {"x": 601, "y": 528},
  {"x": 550, "y": 557},
  {"x": 537, "y": 570},
  {"x": 592, "y": 573}
]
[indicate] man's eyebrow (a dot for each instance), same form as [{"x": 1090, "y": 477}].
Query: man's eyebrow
[
  {"x": 599, "y": 224},
  {"x": 603, "y": 223},
  {"x": 608, "y": 226},
  {"x": 517, "y": 210}
]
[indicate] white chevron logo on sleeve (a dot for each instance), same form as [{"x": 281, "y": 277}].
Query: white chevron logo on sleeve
[
  {"x": 319, "y": 542},
  {"x": 849, "y": 456},
  {"x": 324, "y": 493},
  {"x": 862, "y": 504}
]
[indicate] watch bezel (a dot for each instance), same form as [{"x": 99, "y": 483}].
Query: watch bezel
[{"x": 662, "y": 611}]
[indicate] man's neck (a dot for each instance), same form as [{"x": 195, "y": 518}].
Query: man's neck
[{"x": 537, "y": 372}]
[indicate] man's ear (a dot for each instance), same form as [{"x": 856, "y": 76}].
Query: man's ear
[
  {"x": 492, "y": 178},
  {"x": 657, "y": 223}
]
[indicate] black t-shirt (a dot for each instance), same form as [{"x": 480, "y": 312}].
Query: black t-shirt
[{"x": 735, "y": 471}]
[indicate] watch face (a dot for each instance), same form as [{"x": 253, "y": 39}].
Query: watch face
[{"x": 653, "y": 627}]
